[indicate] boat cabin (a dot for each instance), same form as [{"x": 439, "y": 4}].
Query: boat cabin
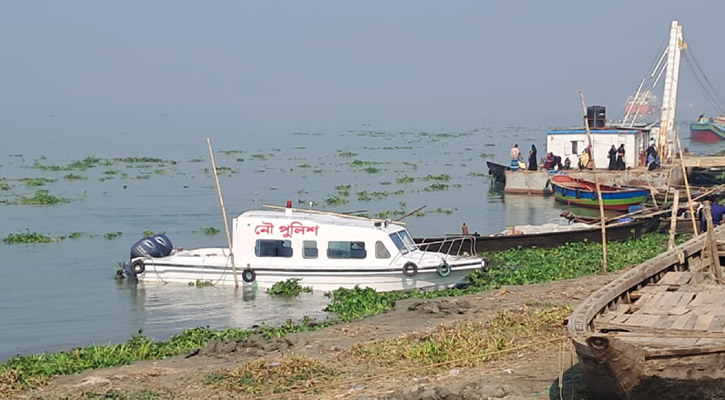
[{"x": 310, "y": 239}]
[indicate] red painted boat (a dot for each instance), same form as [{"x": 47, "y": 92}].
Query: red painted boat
[{"x": 708, "y": 130}]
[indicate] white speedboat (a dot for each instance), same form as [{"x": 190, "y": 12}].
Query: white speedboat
[{"x": 325, "y": 251}]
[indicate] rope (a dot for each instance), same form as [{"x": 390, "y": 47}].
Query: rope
[{"x": 407, "y": 370}]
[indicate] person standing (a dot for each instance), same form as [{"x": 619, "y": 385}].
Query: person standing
[
  {"x": 515, "y": 157},
  {"x": 584, "y": 159},
  {"x": 533, "y": 164},
  {"x": 620, "y": 157},
  {"x": 612, "y": 156}
]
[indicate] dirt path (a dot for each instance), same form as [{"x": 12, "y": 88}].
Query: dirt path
[{"x": 531, "y": 372}]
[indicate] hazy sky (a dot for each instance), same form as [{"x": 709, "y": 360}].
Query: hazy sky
[{"x": 182, "y": 67}]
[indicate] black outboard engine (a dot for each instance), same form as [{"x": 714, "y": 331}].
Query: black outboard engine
[{"x": 153, "y": 246}]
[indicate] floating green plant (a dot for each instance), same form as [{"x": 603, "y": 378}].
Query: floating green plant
[
  {"x": 406, "y": 179},
  {"x": 32, "y": 182},
  {"x": 74, "y": 177},
  {"x": 290, "y": 287},
  {"x": 148, "y": 232},
  {"x": 210, "y": 231},
  {"x": 30, "y": 237},
  {"x": 259, "y": 156},
  {"x": 199, "y": 283},
  {"x": 112, "y": 235},
  {"x": 442, "y": 178},
  {"x": 372, "y": 170},
  {"x": 336, "y": 200},
  {"x": 359, "y": 164},
  {"x": 304, "y": 166},
  {"x": 76, "y": 235},
  {"x": 42, "y": 197},
  {"x": 4, "y": 185},
  {"x": 435, "y": 187},
  {"x": 346, "y": 153},
  {"x": 196, "y": 160}
]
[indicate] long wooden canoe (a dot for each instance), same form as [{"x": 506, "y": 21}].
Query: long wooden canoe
[
  {"x": 658, "y": 330},
  {"x": 454, "y": 244}
]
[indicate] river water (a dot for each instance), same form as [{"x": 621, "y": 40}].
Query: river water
[{"x": 60, "y": 295}]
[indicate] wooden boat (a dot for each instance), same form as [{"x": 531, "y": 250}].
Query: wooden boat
[
  {"x": 498, "y": 171},
  {"x": 584, "y": 193},
  {"x": 323, "y": 250},
  {"x": 477, "y": 244},
  {"x": 658, "y": 330}
]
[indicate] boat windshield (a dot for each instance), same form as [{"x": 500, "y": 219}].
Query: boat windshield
[{"x": 403, "y": 241}]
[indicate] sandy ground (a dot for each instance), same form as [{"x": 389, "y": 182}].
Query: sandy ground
[{"x": 527, "y": 373}]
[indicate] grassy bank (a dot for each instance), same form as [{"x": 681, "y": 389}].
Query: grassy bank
[{"x": 512, "y": 267}]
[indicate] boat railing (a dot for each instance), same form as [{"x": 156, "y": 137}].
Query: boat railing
[{"x": 464, "y": 245}]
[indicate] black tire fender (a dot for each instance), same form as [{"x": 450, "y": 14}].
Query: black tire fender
[
  {"x": 138, "y": 267},
  {"x": 444, "y": 270},
  {"x": 248, "y": 275},
  {"x": 410, "y": 269}
]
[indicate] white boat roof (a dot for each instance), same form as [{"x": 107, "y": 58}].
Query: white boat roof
[{"x": 322, "y": 217}]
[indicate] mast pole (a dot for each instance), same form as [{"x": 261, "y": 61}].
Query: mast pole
[{"x": 224, "y": 213}]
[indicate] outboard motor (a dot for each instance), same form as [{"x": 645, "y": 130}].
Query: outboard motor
[{"x": 154, "y": 246}]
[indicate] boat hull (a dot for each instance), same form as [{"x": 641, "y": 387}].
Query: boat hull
[
  {"x": 454, "y": 244},
  {"x": 217, "y": 269},
  {"x": 656, "y": 331},
  {"x": 706, "y": 132},
  {"x": 537, "y": 182},
  {"x": 583, "y": 193}
]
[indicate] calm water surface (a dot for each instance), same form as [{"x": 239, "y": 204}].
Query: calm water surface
[{"x": 56, "y": 296}]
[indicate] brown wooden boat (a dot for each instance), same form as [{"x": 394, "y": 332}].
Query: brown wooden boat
[
  {"x": 453, "y": 244},
  {"x": 658, "y": 330}
]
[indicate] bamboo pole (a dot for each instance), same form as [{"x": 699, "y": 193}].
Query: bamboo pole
[
  {"x": 596, "y": 183},
  {"x": 687, "y": 184},
  {"x": 673, "y": 219},
  {"x": 712, "y": 243},
  {"x": 224, "y": 212}
]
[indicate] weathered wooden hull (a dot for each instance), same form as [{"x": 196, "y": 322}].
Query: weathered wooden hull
[
  {"x": 498, "y": 171},
  {"x": 456, "y": 244},
  {"x": 657, "y": 331}
]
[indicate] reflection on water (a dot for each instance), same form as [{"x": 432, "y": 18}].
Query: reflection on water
[{"x": 169, "y": 308}]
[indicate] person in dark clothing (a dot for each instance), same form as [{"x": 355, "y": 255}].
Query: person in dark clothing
[
  {"x": 717, "y": 210},
  {"x": 533, "y": 164},
  {"x": 612, "y": 156},
  {"x": 620, "y": 157}
]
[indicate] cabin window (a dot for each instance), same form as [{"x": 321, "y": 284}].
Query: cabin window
[
  {"x": 398, "y": 242},
  {"x": 310, "y": 249},
  {"x": 273, "y": 248},
  {"x": 346, "y": 250},
  {"x": 574, "y": 147},
  {"x": 381, "y": 251}
]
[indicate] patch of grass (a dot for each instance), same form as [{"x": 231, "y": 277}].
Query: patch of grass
[
  {"x": 262, "y": 378},
  {"x": 290, "y": 287},
  {"x": 30, "y": 237},
  {"x": 469, "y": 342}
]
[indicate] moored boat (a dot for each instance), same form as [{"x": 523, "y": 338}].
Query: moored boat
[
  {"x": 658, "y": 330},
  {"x": 325, "y": 251},
  {"x": 543, "y": 238},
  {"x": 708, "y": 130},
  {"x": 584, "y": 193},
  {"x": 498, "y": 171}
]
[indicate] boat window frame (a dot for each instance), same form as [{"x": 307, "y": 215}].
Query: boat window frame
[
  {"x": 313, "y": 251},
  {"x": 403, "y": 241},
  {"x": 277, "y": 244},
  {"x": 381, "y": 251},
  {"x": 355, "y": 250}
]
